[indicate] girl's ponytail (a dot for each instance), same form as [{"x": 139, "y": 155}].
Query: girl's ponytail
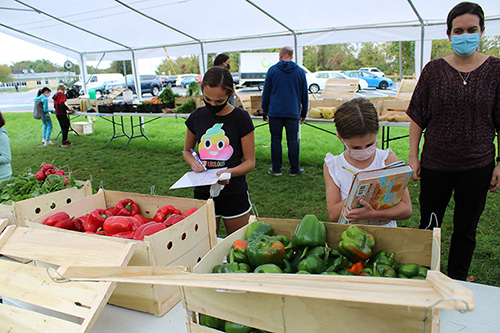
[{"x": 39, "y": 92}]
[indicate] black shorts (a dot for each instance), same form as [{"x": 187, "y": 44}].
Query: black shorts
[{"x": 229, "y": 206}]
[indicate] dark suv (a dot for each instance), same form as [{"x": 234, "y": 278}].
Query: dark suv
[
  {"x": 149, "y": 84},
  {"x": 168, "y": 81}
]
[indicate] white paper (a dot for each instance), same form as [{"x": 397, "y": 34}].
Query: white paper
[{"x": 193, "y": 179}]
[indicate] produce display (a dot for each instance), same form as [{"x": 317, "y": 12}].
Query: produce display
[
  {"x": 322, "y": 112},
  {"x": 122, "y": 220},
  {"x": 308, "y": 253},
  {"x": 27, "y": 185},
  {"x": 395, "y": 116}
]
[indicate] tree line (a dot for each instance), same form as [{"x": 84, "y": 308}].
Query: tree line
[{"x": 350, "y": 56}]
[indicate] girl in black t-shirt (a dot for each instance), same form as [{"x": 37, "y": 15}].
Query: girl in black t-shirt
[{"x": 225, "y": 138}]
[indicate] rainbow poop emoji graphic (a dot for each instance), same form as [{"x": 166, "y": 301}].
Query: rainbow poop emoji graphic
[{"x": 214, "y": 145}]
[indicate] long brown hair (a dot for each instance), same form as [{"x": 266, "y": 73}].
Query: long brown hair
[{"x": 356, "y": 118}]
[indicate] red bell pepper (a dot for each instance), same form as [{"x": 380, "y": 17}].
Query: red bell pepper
[
  {"x": 173, "y": 219},
  {"x": 189, "y": 211},
  {"x": 125, "y": 234},
  {"x": 356, "y": 268},
  {"x": 164, "y": 212},
  {"x": 61, "y": 220},
  {"x": 96, "y": 219},
  {"x": 114, "y": 225},
  {"x": 148, "y": 229},
  {"x": 110, "y": 210},
  {"x": 141, "y": 218},
  {"x": 78, "y": 224},
  {"x": 126, "y": 207},
  {"x": 98, "y": 232}
]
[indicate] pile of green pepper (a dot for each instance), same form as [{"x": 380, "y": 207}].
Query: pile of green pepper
[{"x": 308, "y": 253}]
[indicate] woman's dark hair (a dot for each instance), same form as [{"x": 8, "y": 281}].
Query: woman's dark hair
[
  {"x": 2, "y": 120},
  {"x": 218, "y": 77},
  {"x": 43, "y": 90},
  {"x": 464, "y": 8},
  {"x": 356, "y": 118},
  {"x": 220, "y": 59}
]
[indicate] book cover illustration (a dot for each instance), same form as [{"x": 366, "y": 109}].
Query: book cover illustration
[{"x": 381, "y": 188}]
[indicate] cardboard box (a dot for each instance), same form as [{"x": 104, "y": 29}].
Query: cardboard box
[
  {"x": 34, "y": 207},
  {"x": 184, "y": 244},
  {"x": 347, "y": 303},
  {"x": 83, "y": 127}
]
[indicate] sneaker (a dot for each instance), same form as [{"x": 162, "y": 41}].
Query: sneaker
[
  {"x": 66, "y": 144},
  {"x": 274, "y": 173},
  {"x": 301, "y": 171},
  {"x": 48, "y": 143}
]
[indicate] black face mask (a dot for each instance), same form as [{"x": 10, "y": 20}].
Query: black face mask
[
  {"x": 228, "y": 67},
  {"x": 215, "y": 108}
]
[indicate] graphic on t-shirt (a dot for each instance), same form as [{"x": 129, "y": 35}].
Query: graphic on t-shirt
[{"x": 214, "y": 144}]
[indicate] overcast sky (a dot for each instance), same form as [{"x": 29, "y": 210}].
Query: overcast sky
[{"x": 19, "y": 50}]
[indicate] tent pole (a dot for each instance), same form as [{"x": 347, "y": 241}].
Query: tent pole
[
  {"x": 84, "y": 73},
  {"x": 279, "y": 22},
  {"x": 400, "y": 62},
  {"x": 137, "y": 83}
]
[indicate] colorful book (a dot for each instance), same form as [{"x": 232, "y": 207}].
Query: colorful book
[{"x": 381, "y": 188}]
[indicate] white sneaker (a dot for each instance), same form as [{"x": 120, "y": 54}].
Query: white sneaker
[{"x": 48, "y": 143}]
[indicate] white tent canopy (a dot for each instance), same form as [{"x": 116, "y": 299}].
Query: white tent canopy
[{"x": 131, "y": 29}]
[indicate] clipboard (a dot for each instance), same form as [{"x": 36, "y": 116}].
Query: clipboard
[{"x": 193, "y": 179}]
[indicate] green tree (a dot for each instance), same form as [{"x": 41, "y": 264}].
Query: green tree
[
  {"x": 43, "y": 66},
  {"x": 5, "y": 73},
  {"x": 373, "y": 55},
  {"x": 490, "y": 45},
  {"x": 18, "y": 67},
  {"x": 117, "y": 67},
  {"x": 407, "y": 57},
  {"x": 441, "y": 48}
]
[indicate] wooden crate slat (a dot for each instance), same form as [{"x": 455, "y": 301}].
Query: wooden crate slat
[
  {"x": 32, "y": 285},
  {"x": 46, "y": 245},
  {"x": 340, "y": 88},
  {"x": 14, "y": 319}
]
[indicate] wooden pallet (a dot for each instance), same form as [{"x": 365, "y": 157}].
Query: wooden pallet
[{"x": 32, "y": 301}]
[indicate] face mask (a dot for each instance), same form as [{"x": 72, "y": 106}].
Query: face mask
[
  {"x": 362, "y": 154},
  {"x": 228, "y": 66},
  {"x": 465, "y": 44},
  {"x": 215, "y": 108}
]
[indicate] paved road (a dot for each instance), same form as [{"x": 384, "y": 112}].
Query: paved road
[{"x": 23, "y": 101}]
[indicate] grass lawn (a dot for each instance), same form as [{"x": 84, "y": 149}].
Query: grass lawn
[{"x": 158, "y": 162}]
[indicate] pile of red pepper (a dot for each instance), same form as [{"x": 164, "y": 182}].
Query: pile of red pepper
[{"x": 123, "y": 220}]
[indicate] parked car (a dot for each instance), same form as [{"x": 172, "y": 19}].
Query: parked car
[
  {"x": 187, "y": 79},
  {"x": 316, "y": 81},
  {"x": 149, "y": 84},
  {"x": 181, "y": 77},
  {"x": 101, "y": 89},
  {"x": 373, "y": 70},
  {"x": 168, "y": 81},
  {"x": 372, "y": 79}
]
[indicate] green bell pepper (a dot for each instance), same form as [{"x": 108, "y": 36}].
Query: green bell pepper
[
  {"x": 302, "y": 272},
  {"x": 412, "y": 271},
  {"x": 329, "y": 273},
  {"x": 231, "y": 327},
  {"x": 379, "y": 270},
  {"x": 312, "y": 264},
  {"x": 344, "y": 271},
  {"x": 287, "y": 266},
  {"x": 382, "y": 257},
  {"x": 310, "y": 232},
  {"x": 239, "y": 249},
  {"x": 265, "y": 250},
  {"x": 268, "y": 268},
  {"x": 356, "y": 244},
  {"x": 211, "y": 322},
  {"x": 232, "y": 266},
  {"x": 338, "y": 263},
  {"x": 257, "y": 229}
]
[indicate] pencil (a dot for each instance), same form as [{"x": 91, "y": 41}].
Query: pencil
[{"x": 343, "y": 167}]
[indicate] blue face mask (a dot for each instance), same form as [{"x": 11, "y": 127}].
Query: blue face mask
[{"x": 465, "y": 44}]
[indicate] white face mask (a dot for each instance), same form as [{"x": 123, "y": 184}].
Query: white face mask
[{"x": 361, "y": 154}]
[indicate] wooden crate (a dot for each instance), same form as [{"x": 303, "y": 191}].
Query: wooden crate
[
  {"x": 405, "y": 90},
  {"x": 384, "y": 304},
  {"x": 340, "y": 88},
  {"x": 97, "y": 102},
  {"x": 256, "y": 103},
  {"x": 33, "y": 302},
  {"x": 83, "y": 127},
  {"x": 395, "y": 107},
  {"x": 185, "y": 243},
  {"x": 31, "y": 208}
]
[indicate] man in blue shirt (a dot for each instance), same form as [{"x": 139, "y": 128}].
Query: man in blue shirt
[{"x": 285, "y": 103}]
